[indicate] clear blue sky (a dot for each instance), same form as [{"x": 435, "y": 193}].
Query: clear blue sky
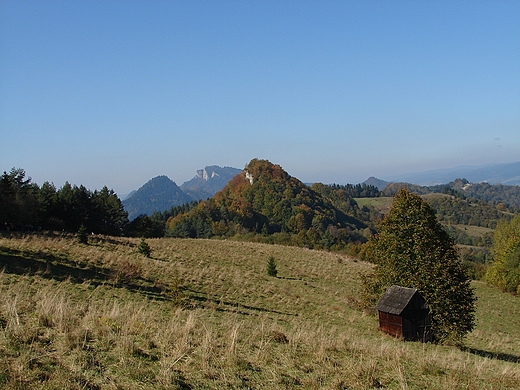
[{"x": 117, "y": 92}]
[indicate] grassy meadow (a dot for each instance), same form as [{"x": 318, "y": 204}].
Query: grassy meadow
[
  {"x": 204, "y": 314},
  {"x": 383, "y": 203}
]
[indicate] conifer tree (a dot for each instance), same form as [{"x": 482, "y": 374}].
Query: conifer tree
[
  {"x": 412, "y": 249},
  {"x": 271, "y": 267},
  {"x": 82, "y": 235},
  {"x": 144, "y": 248}
]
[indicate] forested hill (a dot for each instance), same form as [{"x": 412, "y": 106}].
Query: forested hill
[
  {"x": 508, "y": 196},
  {"x": 265, "y": 203}
]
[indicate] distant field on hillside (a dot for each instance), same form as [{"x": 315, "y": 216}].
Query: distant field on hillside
[
  {"x": 474, "y": 231},
  {"x": 434, "y": 195},
  {"x": 104, "y": 316},
  {"x": 383, "y": 203}
]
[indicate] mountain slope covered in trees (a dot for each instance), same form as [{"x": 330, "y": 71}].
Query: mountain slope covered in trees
[
  {"x": 265, "y": 203},
  {"x": 508, "y": 195},
  {"x": 494, "y": 201}
]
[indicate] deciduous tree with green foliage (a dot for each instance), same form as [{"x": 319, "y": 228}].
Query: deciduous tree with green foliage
[
  {"x": 412, "y": 249},
  {"x": 505, "y": 269}
]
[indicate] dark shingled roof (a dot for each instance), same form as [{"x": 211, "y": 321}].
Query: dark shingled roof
[{"x": 395, "y": 299}]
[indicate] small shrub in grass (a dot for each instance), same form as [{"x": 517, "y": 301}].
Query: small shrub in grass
[
  {"x": 271, "y": 267},
  {"x": 171, "y": 288},
  {"x": 125, "y": 272},
  {"x": 278, "y": 337},
  {"x": 144, "y": 248}
]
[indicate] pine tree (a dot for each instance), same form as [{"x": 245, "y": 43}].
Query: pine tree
[
  {"x": 271, "y": 267},
  {"x": 412, "y": 249},
  {"x": 82, "y": 235},
  {"x": 144, "y": 248}
]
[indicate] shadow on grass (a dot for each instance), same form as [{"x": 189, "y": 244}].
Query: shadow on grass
[
  {"x": 506, "y": 357},
  {"x": 234, "y": 307},
  {"x": 60, "y": 268}
]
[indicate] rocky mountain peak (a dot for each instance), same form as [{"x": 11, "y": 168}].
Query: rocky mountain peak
[{"x": 206, "y": 174}]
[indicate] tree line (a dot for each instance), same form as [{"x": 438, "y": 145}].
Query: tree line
[{"x": 26, "y": 206}]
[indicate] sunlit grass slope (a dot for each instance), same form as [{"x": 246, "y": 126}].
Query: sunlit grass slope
[{"x": 103, "y": 316}]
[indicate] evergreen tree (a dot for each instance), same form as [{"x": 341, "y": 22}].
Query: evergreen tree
[
  {"x": 144, "y": 248},
  {"x": 108, "y": 212},
  {"x": 145, "y": 226},
  {"x": 82, "y": 235},
  {"x": 18, "y": 200},
  {"x": 271, "y": 267},
  {"x": 412, "y": 249}
]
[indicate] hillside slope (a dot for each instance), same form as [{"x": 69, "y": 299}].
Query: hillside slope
[
  {"x": 75, "y": 320},
  {"x": 161, "y": 193}
]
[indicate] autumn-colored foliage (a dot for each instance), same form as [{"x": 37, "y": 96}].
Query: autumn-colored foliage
[{"x": 267, "y": 202}]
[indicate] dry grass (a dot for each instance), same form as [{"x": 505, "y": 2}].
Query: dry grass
[{"x": 235, "y": 327}]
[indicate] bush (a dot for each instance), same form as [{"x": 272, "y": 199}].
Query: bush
[{"x": 125, "y": 272}]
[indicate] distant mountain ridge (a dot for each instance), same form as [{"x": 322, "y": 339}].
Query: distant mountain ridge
[
  {"x": 378, "y": 183},
  {"x": 158, "y": 194},
  {"x": 208, "y": 181},
  {"x": 507, "y": 174},
  {"x": 161, "y": 193}
]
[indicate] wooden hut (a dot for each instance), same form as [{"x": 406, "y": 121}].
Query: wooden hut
[{"x": 403, "y": 312}]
